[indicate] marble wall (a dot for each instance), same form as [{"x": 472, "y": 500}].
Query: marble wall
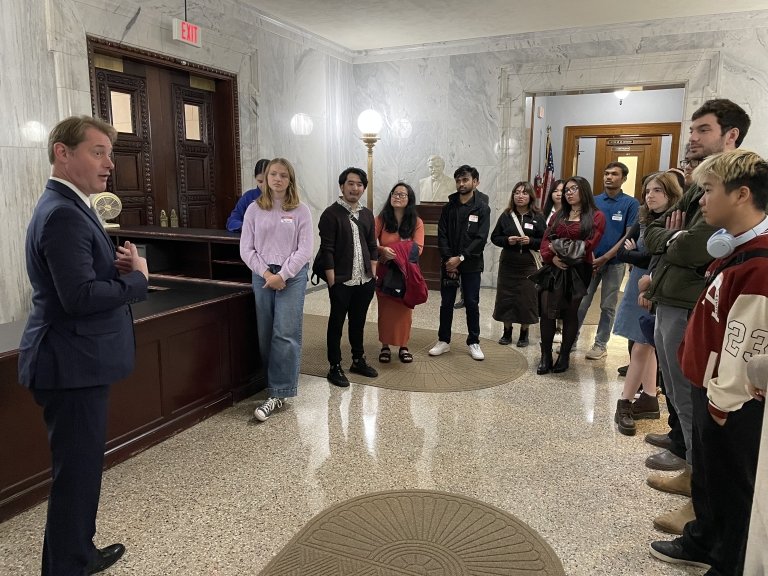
[
  {"x": 280, "y": 72},
  {"x": 466, "y": 100},
  {"x": 462, "y": 100}
]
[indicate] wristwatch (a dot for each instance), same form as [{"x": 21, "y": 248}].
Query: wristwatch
[{"x": 461, "y": 257}]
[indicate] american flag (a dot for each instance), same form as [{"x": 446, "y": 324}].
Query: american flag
[{"x": 549, "y": 171}]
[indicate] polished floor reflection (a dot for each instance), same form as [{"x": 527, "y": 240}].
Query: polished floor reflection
[{"x": 223, "y": 497}]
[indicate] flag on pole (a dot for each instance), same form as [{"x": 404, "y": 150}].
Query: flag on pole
[{"x": 549, "y": 170}]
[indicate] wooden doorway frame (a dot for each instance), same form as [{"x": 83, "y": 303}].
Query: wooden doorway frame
[
  {"x": 228, "y": 169},
  {"x": 571, "y": 134}
]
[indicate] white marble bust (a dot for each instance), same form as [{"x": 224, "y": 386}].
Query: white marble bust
[{"x": 437, "y": 186}]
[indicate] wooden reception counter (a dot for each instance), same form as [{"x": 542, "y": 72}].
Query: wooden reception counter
[{"x": 196, "y": 354}]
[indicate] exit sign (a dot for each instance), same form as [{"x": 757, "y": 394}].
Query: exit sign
[{"x": 187, "y": 32}]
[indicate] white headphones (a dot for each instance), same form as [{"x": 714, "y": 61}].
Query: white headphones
[{"x": 721, "y": 244}]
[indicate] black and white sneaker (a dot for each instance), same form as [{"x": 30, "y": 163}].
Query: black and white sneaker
[{"x": 267, "y": 408}]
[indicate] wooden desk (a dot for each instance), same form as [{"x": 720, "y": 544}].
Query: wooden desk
[
  {"x": 196, "y": 354},
  {"x": 188, "y": 252}
]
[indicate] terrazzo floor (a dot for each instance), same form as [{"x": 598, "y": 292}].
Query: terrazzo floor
[{"x": 223, "y": 497}]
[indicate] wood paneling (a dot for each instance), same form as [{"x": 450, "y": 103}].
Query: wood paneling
[{"x": 192, "y": 361}]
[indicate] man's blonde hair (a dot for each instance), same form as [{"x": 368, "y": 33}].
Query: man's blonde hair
[
  {"x": 729, "y": 167},
  {"x": 71, "y": 131}
]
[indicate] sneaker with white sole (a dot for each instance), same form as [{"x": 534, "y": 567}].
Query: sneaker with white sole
[
  {"x": 595, "y": 353},
  {"x": 267, "y": 407},
  {"x": 439, "y": 348},
  {"x": 558, "y": 337},
  {"x": 475, "y": 352}
]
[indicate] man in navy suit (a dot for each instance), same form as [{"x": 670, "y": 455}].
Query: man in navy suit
[{"x": 79, "y": 336}]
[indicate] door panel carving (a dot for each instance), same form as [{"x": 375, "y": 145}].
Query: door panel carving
[{"x": 131, "y": 180}]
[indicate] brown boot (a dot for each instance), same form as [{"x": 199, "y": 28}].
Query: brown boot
[
  {"x": 623, "y": 417},
  {"x": 646, "y": 406},
  {"x": 673, "y": 522},
  {"x": 680, "y": 484}
]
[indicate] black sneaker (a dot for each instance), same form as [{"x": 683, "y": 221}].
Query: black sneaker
[
  {"x": 459, "y": 305},
  {"x": 337, "y": 377},
  {"x": 360, "y": 366},
  {"x": 674, "y": 553}
]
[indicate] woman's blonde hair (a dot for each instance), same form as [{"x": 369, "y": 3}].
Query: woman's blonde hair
[
  {"x": 672, "y": 192},
  {"x": 292, "y": 199}
]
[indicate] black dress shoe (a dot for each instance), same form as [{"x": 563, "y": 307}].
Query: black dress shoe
[
  {"x": 623, "y": 370},
  {"x": 105, "y": 557},
  {"x": 660, "y": 440},
  {"x": 665, "y": 461},
  {"x": 522, "y": 342}
]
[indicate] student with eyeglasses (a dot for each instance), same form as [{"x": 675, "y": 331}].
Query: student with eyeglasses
[
  {"x": 396, "y": 224},
  {"x": 577, "y": 219}
]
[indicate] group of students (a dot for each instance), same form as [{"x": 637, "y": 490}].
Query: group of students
[
  {"x": 276, "y": 243},
  {"x": 694, "y": 301}
]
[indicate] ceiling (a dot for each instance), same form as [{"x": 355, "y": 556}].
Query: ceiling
[{"x": 372, "y": 24}]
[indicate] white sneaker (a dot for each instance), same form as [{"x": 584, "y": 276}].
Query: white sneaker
[
  {"x": 595, "y": 353},
  {"x": 558, "y": 337},
  {"x": 268, "y": 406},
  {"x": 439, "y": 348},
  {"x": 475, "y": 352}
]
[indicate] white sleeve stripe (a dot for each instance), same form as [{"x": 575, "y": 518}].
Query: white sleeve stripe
[{"x": 711, "y": 361}]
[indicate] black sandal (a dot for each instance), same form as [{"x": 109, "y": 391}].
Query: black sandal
[
  {"x": 405, "y": 356},
  {"x": 385, "y": 355}
]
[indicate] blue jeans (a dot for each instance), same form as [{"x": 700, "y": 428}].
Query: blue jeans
[
  {"x": 611, "y": 276},
  {"x": 470, "y": 284},
  {"x": 279, "y": 321}
]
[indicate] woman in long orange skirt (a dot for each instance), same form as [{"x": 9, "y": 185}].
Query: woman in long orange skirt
[{"x": 396, "y": 222}]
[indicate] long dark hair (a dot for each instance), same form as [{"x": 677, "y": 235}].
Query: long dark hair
[
  {"x": 588, "y": 208},
  {"x": 549, "y": 203},
  {"x": 408, "y": 224}
]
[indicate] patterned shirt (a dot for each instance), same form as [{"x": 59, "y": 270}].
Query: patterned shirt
[{"x": 358, "y": 266}]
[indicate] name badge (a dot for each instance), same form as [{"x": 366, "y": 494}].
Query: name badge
[
  {"x": 617, "y": 217},
  {"x": 287, "y": 219},
  {"x": 473, "y": 217},
  {"x": 528, "y": 226}
]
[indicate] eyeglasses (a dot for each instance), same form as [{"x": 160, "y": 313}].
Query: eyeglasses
[
  {"x": 572, "y": 189},
  {"x": 692, "y": 163},
  {"x": 400, "y": 195}
]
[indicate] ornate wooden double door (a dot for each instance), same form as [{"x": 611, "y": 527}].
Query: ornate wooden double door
[{"x": 171, "y": 136}]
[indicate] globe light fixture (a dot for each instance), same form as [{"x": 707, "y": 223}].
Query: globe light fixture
[
  {"x": 301, "y": 124},
  {"x": 369, "y": 122}
]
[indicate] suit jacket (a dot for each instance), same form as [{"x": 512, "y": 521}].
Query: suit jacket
[{"x": 80, "y": 330}]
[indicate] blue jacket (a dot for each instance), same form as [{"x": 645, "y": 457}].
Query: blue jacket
[
  {"x": 80, "y": 331},
  {"x": 235, "y": 220}
]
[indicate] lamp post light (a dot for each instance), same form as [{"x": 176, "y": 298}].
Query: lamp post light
[{"x": 369, "y": 122}]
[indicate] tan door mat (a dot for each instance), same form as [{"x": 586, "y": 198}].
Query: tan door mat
[{"x": 415, "y": 533}]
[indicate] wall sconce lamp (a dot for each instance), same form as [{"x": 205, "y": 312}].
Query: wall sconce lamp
[
  {"x": 621, "y": 94},
  {"x": 369, "y": 122}
]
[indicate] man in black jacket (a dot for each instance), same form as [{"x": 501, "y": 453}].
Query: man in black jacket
[
  {"x": 348, "y": 255},
  {"x": 461, "y": 237}
]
